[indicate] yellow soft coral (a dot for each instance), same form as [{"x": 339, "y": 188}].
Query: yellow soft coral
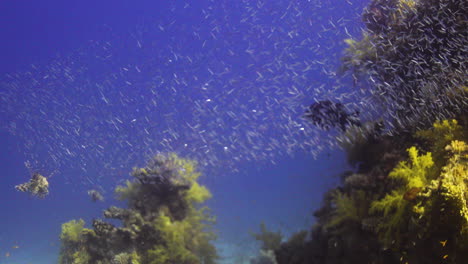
[
  {"x": 412, "y": 175},
  {"x": 454, "y": 184},
  {"x": 177, "y": 237},
  {"x": 358, "y": 52},
  {"x": 416, "y": 173},
  {"x": 198, "y": 193},
  {"x": 439, "y": 136},
  {"x": 72, "y": 230}
]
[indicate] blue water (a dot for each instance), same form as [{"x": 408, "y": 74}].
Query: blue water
[{"x": 91, "y": 89}]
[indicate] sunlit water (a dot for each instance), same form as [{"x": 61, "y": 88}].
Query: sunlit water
[{"x": 224, "y": 83}]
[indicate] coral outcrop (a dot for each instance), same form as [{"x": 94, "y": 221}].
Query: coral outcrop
[
  {"x": 406, "y": 200},
  {"x": 164, "y": 222}
]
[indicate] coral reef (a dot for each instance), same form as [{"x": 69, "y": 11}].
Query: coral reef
[
  {"x": 406, "y": 200},
  {"x": 412, "y": 56},
  {"x": 417, "y": 213},
  {"x": 163, "y": 224}
]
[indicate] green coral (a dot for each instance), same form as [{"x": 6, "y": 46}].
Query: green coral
[
  {"x": 81, "y": 257},
  {"x": 453, "y": 186},
  {"x": 270, "y": 240},
  {"x": 72, "y": 230},
  {"x": 185, "y": 241},
  {"x": 198, "y": 193},
  {"x": 410, "y": 176},
  {"x": 439, "y": 136},
  {"x": 158, "y": 255},
  {"x": 127, "y": 258},
  {"x": 348, "y": 208},
  {"x": 163, "y": 224},
  {"x": 127, "y": 192},
  {"x": 72, "y": 238},
  {"x": 415, "y": 173},
  {"x": 177, "y": 234},
  {"x": 430, "y": 201},
  {"x": 358, "y": 53}
]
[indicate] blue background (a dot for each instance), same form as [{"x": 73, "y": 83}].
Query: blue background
[{"x": 98, "y": 40}]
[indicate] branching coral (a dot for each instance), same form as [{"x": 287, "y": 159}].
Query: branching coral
[
  {"x": 416, "y": 213},
  {"x": 358, "y": 53},
  {"x": 163, "y": 223},
  {"x": 126, "y": 258},
  {"x": 71, "y": 231},
  {"x": 416, "y": 173},
  {"x": 270, "y": 240},
  {"x": 72, "y": 238},
  {"x": 177, "y": 235},
  {"x": 452, "y": 188},
  {"x": 411, "y": 177},
  {"x": 185, "y": 241},
  {"x": 348, "y": 208},
  {"x": 439, "y": 136}
]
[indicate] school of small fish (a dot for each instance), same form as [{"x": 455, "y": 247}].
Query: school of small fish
[{"x": 226, "y": 89}]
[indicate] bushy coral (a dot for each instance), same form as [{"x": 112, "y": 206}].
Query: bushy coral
[
  {"x": 72, "y": 238},
  {"x": 269, "y": 240},
  {"x": 358, "y": 53},
  {"x": 81, "y": 257},
  {"x": 440, "y": 135},
  {"x": 409, "y": 64},
  {"x": 198, "y": 193},
  {"x": 416, "y": 213},
  {"x": 454, "y": 181},
  {"x": 348, "y": 208},
  {"x": 72, "y": 231},
  {"x": 447, "y": 197},
  {"x": 397, "y": 206},
  {"x": 126, "y": 258},
  {"x": 184, "y": 241},
  {"x": 417, "y": 172},
  {"x": 163, "y": 223}
]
